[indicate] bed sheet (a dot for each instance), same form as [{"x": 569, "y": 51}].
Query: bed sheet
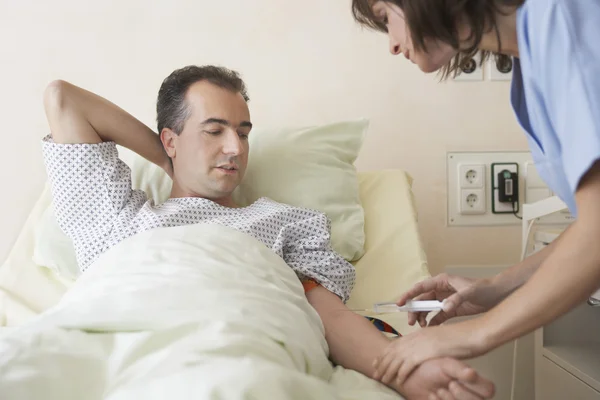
[{"x": 171, "y": 312}]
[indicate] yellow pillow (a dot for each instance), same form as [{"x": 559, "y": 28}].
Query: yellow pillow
[{"x": 305, "y": 167}]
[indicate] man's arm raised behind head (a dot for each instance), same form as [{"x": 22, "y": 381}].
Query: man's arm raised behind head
[{"x": 76, "y": 115}]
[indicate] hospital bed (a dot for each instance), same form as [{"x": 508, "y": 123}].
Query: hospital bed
[{"x": 393, "y": 258}]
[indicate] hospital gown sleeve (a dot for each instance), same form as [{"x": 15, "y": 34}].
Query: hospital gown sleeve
[
  {"x": 308, "y": 252},
  {"x": 571, "y": 82},
  {"x": 90, "y": 186}
]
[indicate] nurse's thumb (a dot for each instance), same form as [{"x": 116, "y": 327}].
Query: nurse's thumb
[{"x": 449, "y": 304}]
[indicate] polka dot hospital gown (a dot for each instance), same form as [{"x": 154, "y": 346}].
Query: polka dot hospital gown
[{"x": 97, "y": 208}]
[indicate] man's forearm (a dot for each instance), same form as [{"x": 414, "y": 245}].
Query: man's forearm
[
  {"x": 79, "y": 116},
  {"x": 353, "y": 341}
]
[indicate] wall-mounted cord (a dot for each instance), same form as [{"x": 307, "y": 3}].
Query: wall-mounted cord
[
  {"x": 515, "y": 210},
  {"x": 515, "y": 346}
]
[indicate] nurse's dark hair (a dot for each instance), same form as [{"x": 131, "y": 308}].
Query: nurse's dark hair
[
  {"x": 172, "y": 109},
  {"x": 439, "y": 20}
]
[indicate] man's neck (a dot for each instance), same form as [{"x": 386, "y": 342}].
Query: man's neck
[{"x": 225, "y": 201}]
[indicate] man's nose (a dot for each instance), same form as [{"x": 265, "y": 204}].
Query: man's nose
[{"x": 233, "y": 144}]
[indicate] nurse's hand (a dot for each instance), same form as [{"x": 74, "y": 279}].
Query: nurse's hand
[
  {"x": 405, "y": 354},
  {"x": 461, "y": 296}
]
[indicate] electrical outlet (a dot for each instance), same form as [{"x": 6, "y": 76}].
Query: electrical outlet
[
  {"x": 531, "y": 186},
  {"x": 500, "y": 68},
  {"x": 471, "y": 176},
  {"x": 455, "y": 186},
  {"x": 472, "y": 201},
  {"x": 471, "y": 71}
]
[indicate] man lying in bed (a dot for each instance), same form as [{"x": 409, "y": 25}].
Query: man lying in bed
[{"x": 203, "y": 124}]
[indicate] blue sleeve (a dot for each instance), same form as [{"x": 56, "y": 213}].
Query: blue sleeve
[{"x": 571, "y": 83}]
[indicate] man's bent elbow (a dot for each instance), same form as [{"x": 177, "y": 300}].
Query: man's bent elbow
[{"x": 55, "y": 95}]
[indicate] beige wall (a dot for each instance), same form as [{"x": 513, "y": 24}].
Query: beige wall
[{"x": 305, "y": 62}]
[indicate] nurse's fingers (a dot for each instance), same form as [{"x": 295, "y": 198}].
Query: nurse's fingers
[
  {"x": 422, "y": 315},
  {"x": 439, "y": 319},
  {"x": 391, "y": 372},
  {"x": 439, "y": 284},
  {"x": 381, "y": 365},
  {"x": 426, "y": 286},
  {"x": 443, "y": 394}
]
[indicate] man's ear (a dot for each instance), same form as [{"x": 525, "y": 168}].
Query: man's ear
[{"x": 169, "y": 139}]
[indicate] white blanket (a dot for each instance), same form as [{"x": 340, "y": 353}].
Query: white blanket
[{"x": 198, "y": 311}]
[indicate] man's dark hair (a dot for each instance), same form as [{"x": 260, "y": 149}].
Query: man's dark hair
[
  {"x": 172, "y": 109},
  {"x": 438, "y": 20}
]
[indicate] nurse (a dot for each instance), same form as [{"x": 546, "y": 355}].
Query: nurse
[{"x": 555, "y": 45}]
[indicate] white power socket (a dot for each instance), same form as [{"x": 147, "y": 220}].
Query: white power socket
[
  {"x": 472, "y": 201},
  {"x": 472, "y": 71},
  {"x": 471, "y": 176},
  {"x": 500, "y": 68},
  {"x": 471, "y": 179}
]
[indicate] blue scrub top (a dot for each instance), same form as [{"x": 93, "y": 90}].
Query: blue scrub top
[{"x": 555, "y": 90}]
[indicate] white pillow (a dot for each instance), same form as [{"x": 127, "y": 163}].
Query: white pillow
[
  {"x": 304, "y": 167},
  {"x": 53, "y": 249}
]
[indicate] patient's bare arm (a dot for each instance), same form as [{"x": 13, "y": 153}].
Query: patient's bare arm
[
  {"x": 352, "y": 339},
  {"x": 76, "y": 115},
  {"x": 354, "y": 343}
]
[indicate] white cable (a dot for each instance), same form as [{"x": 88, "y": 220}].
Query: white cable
[
  {"x": 514, "y": 371},
  {"x": 514, "y": 360}
]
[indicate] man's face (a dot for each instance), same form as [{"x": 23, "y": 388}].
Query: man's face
[{"x": 211, "y": 153}]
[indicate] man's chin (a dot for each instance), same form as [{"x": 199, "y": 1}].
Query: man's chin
[{"x": 226, "y": 190}]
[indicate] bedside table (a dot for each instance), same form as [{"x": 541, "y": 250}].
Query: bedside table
[{"x": 567, "y": 357}]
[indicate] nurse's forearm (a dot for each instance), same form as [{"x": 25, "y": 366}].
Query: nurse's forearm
[
  {"x": 514, "y": 277},
  {"x": 565, "y": 279}
]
